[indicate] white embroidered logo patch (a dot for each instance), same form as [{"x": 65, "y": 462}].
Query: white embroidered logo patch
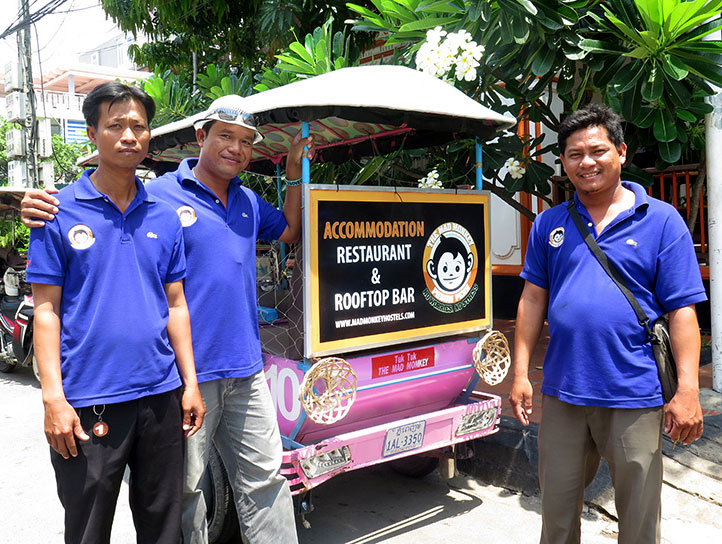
[
  {"x": 556, "y": 237},
  {"x": 81, "y": 237},
  {"x": 631, "y": 242},
  {"x": 151, "y": 235},
  {"x": 244, "y": 214},
  {"x": 187, "y": 215}
]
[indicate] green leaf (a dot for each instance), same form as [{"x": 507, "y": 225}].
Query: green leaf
[
  {"x": 674, "y": 67},
  {"x": 520, "y": 27},
  {"x": 599, "y": 46},
  {"x": 529, "y": 6},
  {"x": 565, "y": 82},
  {"x": 686, "y": 115},
  {"x": 638, "y": 53},
  {"x": 371, "y": 167},
  {"x": 665, "y": 129},
  {"x": 631, "y": 104},
  {"x": 677, "y": 91},
  {"x": 632, "y": 173},
  {"x": 301, "y": 51},
  {"x": 700, "y": 108},
  {"x": 474, "y": 10},
  {"x": 424, "y": 24},
  {"x": 670, "y": 152},
  {"x": 543, "y": 61},
  {"x": 605, "y": 74},
  {"x": 645, "y": 118},
  {"x": 705, "y": 69},
  {"x": 653, "y": 87},
  {"x": 439, "y": 6},
  {"x": 626, "y": 77}
]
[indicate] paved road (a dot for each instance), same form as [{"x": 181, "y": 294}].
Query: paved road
[
  {"x": 371, "y": 506},
  {"x": 363, "y": 507}
]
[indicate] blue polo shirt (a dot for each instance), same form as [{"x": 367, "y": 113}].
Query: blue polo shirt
[
  {"x": 598, "y": 353},
  {"x": 220, "y": 286},
  {"x": 112, "y": 267}
]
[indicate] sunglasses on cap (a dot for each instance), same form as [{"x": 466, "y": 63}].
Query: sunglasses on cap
[{"x": 230, "y": 114}]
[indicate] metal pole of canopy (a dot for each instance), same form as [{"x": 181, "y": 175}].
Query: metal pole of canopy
[
  {"x": 305, "y": 163},
  {"x": 479, "y": 169},
  {"x": 279, "y": 190}
]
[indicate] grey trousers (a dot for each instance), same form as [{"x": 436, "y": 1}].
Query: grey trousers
[
  {"x": 241, "y": 421},
  {"x": 572, "y": 439}
]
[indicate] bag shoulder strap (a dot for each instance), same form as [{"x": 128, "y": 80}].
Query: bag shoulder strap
[{"x": 609, "y": 268}]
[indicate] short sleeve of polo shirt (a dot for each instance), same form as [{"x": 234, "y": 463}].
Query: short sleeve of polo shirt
[
  {"x": 679, "y": 282},
  {"x": 271, "y": 221},
  {"x": 46, "y": 255},
  {"x": 177, "y": 264}
]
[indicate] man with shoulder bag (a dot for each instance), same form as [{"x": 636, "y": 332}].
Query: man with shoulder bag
[{"x": 602, "y": 269}]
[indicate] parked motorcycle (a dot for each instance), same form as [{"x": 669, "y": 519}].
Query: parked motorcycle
[{"x": 16, "y": 323}]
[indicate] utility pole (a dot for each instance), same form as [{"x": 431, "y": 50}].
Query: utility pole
[
  {"x": 31, "y": 124},
  {"x": 713, "y": 133}
]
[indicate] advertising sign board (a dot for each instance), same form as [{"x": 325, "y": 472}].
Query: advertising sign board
[{"x": 387, "y": 265}]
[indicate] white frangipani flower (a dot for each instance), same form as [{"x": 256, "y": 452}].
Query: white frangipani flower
[
  {"x": 443, "y": 51},
  {"x": 430, "y": 181},
  {"x": 515, "y": 168}
]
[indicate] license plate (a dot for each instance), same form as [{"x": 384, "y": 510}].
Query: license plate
[{"x": 404, "y": 438}]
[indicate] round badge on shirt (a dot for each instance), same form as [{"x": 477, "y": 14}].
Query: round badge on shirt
[
  {"x": 81, "y": 237},
  {"x": 556, "y": 237},
  {"x": 187, "y": 215}
]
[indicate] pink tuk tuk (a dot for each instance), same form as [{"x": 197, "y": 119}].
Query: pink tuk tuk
[{"x": 376, "y": 328}]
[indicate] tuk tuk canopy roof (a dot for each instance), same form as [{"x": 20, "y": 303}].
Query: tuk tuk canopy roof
[{"x": 353, "y": 112}]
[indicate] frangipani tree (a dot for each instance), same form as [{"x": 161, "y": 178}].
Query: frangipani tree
[{"x": 645, "y": 58}]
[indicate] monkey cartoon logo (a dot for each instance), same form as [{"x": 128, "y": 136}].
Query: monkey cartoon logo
[
  {"x": 187, "y": 215},
  {"x": 450, "y": 267},
  {"x": 81, "y": 237}
]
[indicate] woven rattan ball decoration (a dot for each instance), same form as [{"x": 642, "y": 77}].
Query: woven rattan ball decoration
[
  {"x": 492, "y": 358},
  {"x": 328, "y": 390}
]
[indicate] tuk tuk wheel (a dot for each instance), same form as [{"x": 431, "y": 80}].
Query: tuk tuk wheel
[
  {"x": 220, "y": 508},
  {"x": 415, "y": 466}
]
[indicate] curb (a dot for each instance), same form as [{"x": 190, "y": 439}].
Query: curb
[{"x": 509, "y": 459}]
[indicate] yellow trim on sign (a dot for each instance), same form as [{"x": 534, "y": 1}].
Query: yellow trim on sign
[{"x": 355, "y": 194}]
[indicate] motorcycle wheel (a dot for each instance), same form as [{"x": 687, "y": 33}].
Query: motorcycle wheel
[
  {"x": 7, "y": 368},
  {"x": 220, "y": 508}
]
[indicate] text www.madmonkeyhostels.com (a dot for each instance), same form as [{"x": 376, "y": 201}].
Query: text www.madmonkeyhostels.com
[{"x": 356, "y": 321}]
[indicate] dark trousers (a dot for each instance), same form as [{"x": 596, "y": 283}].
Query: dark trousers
[
  {"x": 572, "y": 440},
  {"x": 146, "y": 436}
]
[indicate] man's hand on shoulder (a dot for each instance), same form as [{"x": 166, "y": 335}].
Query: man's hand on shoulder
[
  {"x": 38, "y": 206},
  {"x": 683, "y": 419}
]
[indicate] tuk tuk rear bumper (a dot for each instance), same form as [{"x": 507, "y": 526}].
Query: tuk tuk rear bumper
[{"x": 308, "y": 466}]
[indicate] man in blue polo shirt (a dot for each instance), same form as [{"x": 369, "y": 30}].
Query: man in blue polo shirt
[
  {"x": 112, "y": 334},
  {"x": 222, "y": 220},
  {"x": 602, "y": 396}
]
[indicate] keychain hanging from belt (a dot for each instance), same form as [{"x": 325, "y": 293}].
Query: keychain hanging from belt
[{"x": 100, "y": 429}]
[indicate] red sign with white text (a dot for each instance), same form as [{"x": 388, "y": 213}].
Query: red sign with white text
[{"x": 403, "y": 361}]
